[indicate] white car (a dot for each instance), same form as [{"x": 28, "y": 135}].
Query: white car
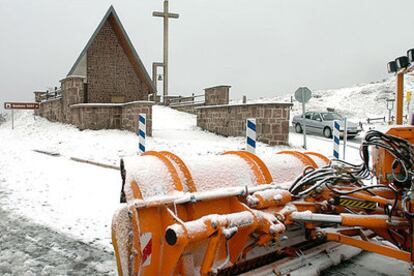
[{"x": 322, "y": 123}]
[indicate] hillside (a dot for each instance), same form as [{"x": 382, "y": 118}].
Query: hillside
[{"x": 357, "y": 102}]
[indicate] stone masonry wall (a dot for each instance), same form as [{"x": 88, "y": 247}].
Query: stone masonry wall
[
  {"x": 272, "y": 120},
  {"x": 217, "y": 95},
  {"x": 87, "y": 116},
  {"x": 109, "y": 71},
  {"x": 111, "y": 116},
  {"x": 99, "y": 115},
  {"x": 51, "y": 110},
  {"x": 72, "y": 93},
  {"x": 130, "y": 111}
]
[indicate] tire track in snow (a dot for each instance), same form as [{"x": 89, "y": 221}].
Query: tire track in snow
[{"x": 27, "y": 248}]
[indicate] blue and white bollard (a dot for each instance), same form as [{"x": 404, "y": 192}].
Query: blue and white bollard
[
  {"x": 142, "y": 123},
  {"x": 251, "y": 135},
  {"x": 336, "y": 139}
]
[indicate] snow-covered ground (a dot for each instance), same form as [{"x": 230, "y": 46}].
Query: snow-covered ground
[
  {"x": 370, "y": 264},
  {"x": 77, "y": 200},
  {"x": 359, "y": 102},
  {"x": 172, "y": 130},
  {"x": 30, "y": 249}
]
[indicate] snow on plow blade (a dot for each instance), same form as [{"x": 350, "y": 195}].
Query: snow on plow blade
[{"x": 208, "y": 215}]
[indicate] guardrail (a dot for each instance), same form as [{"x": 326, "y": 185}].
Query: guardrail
[
  {"x": 57, "y": 93},
  {"x": 369, "y": 120},
  {"x": 187, "y": 100}
]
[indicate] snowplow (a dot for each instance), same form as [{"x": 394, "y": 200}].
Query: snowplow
[{"x": 238, "y": 213}]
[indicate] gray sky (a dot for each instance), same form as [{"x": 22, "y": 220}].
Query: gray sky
[{"x": 260, "y": 47}]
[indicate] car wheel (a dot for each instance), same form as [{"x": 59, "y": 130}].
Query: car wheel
[
  {"x": 327, "y": 132},
  {"x": 298, "y": 128}
]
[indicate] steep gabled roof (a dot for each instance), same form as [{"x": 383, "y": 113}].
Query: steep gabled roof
[{"x": 113, "y": 19}]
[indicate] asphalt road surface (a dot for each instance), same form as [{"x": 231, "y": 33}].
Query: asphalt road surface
[{"x": 27, "y": 248}]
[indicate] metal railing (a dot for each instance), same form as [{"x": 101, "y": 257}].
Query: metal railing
[
  {"x": 370, "y": 120},
  {"x": 187, "y": 100},
  {"x": 383, "y": 119},
  {"x": 57, "y": 93}
]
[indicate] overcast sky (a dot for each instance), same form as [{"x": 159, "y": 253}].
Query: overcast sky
[{"x": 259, "y": 47}]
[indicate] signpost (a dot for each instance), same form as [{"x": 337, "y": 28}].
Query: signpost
[
  {"x": 390, "y": 107},
  {"x": 345, "y": 138},
  {"x": 22, "y": 106},
  {"x": 336, "y": 138},
  {"x": 251, "y": 135},
  {"x": 142, "y": 131},
  {"x": 303, "y": 95}
]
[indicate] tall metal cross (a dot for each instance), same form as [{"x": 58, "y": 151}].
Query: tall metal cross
[{"x": 165, "y": 15}]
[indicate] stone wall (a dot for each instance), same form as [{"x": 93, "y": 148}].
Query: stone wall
[
  {"x": 272, "y": 120},
  {"x": 70, "y": 108},
  {"x": 72, "y": 93},
  {"x": 170, "y": 98},
  {"x": 51, "y": 110},
  {"x": 111, "y": 116},
  {"x": 130, "y": 111},
  {"x": 111, "y": 76},
  {"x": 217, "y": 95},
  {"x": 39, "y": 96},
  {"x": 96, "y": 116}
]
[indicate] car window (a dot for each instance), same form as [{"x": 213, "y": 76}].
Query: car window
[
  {"x": 308, "y": 115},
  {"x": 330, "y": 116},
  {"x": 316, "y": 116}
]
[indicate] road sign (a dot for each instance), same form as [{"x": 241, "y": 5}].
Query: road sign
[
  {"x": 13, "y": 105},
  {"x": 409, "y": 96},
  {"x": 303, "y": 94},
  {"x": 9, "y": 105}
]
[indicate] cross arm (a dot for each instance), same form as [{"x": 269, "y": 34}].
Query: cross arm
[{"x": 161, "y": 14}]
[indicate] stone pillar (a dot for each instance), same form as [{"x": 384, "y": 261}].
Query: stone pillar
[
  {"x": 72, "y": 93},
  {"x": 39, "y": 96},
  {"x": 217, "y": 95}
]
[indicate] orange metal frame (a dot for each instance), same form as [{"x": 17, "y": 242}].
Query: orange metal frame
[{"x": 219, "y": 231}]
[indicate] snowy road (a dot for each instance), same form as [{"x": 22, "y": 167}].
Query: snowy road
[
  {"x": 369, "y": 264},
  {"x": 27, "y": 248}
]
